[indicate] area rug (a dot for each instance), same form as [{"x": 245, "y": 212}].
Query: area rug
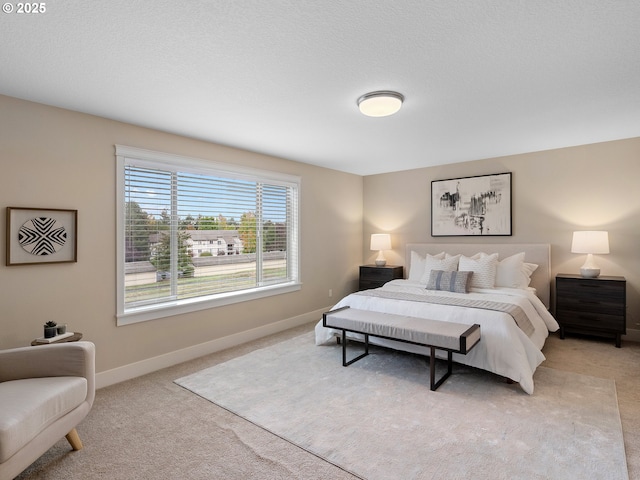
[{"x": 378, "y": 419}]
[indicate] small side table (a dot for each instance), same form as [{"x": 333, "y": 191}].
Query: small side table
[
  {"x": 72, "y": 338},
  {"x": 592, "y": 306},
  {"x": 373, "y": 276}
]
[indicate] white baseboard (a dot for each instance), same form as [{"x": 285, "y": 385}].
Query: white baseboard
[{"x": 133, "y": 370}]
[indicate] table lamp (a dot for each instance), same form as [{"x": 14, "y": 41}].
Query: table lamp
[{"x": 380, "y": 242}]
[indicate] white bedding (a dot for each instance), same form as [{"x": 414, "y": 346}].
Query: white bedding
[{"x": 504, "y": 349}]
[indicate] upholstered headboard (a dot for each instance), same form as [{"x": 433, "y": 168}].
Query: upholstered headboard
[{"x": 538, "y": 253}]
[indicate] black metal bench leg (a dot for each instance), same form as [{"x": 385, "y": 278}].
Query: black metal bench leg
[
  {"x": 432, "y": 369},
  {"x": 344, "y": 349}
]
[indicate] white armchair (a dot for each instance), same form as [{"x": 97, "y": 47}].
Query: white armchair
[{"x": 45, "y": 391}]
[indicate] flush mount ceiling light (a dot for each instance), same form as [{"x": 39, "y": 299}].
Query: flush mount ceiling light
[{"x": 380, "y": 104}]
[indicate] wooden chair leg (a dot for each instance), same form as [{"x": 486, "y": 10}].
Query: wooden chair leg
[{"x": 74, "y": 439}]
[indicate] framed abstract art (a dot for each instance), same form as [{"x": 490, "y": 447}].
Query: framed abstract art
[
  {"x": 471, "y": 206},
  {"x": 41, "y": 235}
]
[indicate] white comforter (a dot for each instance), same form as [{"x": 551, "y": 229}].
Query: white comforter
[{"x": 504, "y": 349}]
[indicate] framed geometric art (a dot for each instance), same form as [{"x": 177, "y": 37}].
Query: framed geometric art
[
  {"x": 471, "y": 206},
  {"x": 41, "y": 235}
]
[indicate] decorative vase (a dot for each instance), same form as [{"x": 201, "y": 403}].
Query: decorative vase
[{"x": 61, "y": 329}]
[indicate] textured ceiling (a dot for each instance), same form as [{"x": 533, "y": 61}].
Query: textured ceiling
[{"x": 480, "y": 78}]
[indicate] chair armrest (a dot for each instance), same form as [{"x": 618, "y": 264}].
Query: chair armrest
[{"x": 70, "y": 359}]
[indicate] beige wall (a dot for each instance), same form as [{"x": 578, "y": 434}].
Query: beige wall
[
  {"x": 554, "y": 193},
  {"x": 61, "y": 159}
]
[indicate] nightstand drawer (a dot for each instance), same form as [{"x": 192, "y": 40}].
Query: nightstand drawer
[
  {"x": 366, "y": 285},
  {"x": 598, "y": 321},
  {"x": 376, "y": 273},
  {"x": 590, "y": 290},
  {"x": 594, "y": 305}
]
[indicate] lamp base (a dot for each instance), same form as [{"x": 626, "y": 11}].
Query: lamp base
[
  {"x": 590, "y": 268},
  {"x": 381, "y": 261},
  {"x": 590, "y": 272}
]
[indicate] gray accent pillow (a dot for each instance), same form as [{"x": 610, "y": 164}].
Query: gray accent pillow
[{"x": 455, "y": 281}]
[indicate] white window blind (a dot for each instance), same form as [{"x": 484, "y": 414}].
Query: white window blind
[{"x": 193, "y": 234}]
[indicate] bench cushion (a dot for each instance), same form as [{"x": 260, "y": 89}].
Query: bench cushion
[
  {"x": 445, "y": 335},
  {"x": 31, "y": 405}
]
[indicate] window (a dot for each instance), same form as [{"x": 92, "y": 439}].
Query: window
[{"x": 170, "y": 209}]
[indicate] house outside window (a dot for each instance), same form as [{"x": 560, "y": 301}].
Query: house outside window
[{"x": 194, "y": 234}]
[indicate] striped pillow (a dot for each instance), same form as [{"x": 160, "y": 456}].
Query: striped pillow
[
  {"x": 483, "y": 268},
  {"x": 455, "y": 281}
]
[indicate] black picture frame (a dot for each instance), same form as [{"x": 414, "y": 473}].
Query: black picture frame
[
  {"x": 41, "y": 235},
  {"x": 472, "y": 206}
]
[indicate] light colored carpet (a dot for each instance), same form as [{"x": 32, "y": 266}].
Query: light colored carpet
[{"x": 378, "y": 419}]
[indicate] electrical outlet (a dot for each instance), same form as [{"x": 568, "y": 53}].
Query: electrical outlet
[{"x": 330, "y": 293}]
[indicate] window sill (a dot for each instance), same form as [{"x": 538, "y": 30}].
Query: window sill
[{"x": 178, "y": 307}]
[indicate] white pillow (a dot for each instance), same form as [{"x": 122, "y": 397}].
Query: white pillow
[
  {"x": 448, "y": 264},
  {"x": 509, "y": 272},
  {"x": 484, "y": 270},
  {"x": 416, "y": 267},
  {"x": 527, "y": 271}
]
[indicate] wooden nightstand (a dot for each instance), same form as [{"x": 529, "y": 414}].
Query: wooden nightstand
[
  {"x": 593, "y": 306},
  {"x": 372, "y": 276}
]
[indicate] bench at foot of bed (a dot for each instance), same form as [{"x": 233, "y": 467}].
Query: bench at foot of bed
[{"x": 435, "y": 334}]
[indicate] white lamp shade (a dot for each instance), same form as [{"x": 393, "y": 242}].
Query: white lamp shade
[
  {"x": 380, "y": 241},
  {"x": 590, "y": 242}
]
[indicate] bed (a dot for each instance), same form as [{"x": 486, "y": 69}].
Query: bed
[{"x": 508, "y": 294}]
